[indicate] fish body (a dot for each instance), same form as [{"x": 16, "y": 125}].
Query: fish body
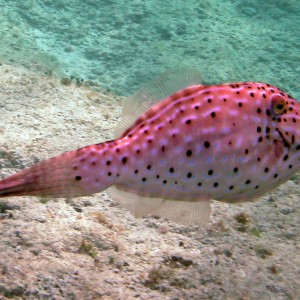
[{"x": 229, "y": 142}]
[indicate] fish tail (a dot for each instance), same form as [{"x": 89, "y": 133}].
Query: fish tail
[{"x": 65, "y": 175}]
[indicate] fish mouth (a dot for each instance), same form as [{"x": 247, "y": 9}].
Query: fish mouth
[{"x": 286, "y": 140}]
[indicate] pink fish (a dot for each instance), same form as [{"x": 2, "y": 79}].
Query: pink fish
[{"x": 179, "y": 145}]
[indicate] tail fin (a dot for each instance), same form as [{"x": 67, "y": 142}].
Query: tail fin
[{"x": 66, "y": 175}]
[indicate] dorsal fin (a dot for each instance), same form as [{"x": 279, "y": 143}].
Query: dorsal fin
[
  {"x": 181, "y": 212},
  {"x": 153, "y": 92}
]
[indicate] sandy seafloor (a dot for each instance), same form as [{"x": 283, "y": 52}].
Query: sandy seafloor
[
  {"x": 121, "y": 44},
  {"x": 90, "y": 248}
]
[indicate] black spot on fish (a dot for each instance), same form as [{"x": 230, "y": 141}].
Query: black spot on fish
[
  {"x": 78, "y": 178},
  {"x": 206, "y": 144},
  {"x": 189, "y": 152}
]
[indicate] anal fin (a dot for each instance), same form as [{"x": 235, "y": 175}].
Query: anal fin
[{"x": 181, "y": 212}]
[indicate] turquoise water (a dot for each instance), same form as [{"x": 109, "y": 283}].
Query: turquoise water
[{"x": 121, "y": 44}]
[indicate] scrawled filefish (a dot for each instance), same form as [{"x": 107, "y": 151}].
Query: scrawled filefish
[{"x": 180, "y": 144}]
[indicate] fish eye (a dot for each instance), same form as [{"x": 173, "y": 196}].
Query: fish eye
[{"x": 278, "y": 105}]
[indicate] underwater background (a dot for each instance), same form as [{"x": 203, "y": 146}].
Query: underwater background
[
  {"x": 65, "y": 66},
  {"x": 118, "y": 45}
]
